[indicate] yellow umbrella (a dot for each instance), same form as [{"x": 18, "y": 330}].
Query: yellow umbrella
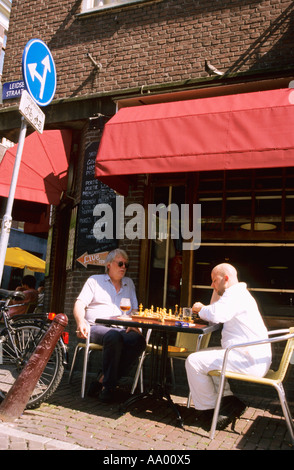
[{"x": 18, "y": 258}]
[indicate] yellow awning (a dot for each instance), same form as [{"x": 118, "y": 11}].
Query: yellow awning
[{"x": 18, "y": 258}]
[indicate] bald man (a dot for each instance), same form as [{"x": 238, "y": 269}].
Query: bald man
[{"x": 234, "y": 307}]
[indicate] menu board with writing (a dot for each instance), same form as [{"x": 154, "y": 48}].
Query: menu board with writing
[{"x": 94, "y": 193}]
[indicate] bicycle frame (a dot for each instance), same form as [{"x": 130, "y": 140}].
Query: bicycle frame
[
  {"x": 20, "y": 335},
  {"x": 42, "y": 319}
]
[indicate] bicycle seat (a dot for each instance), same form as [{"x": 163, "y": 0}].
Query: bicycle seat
[{"x": 11, "y": 294}]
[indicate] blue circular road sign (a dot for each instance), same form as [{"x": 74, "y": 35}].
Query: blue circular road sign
[{"x": 39, "y": 72}]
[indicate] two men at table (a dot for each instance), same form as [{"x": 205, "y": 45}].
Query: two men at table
[
  {"x": 234, "y": 306},
  {"x": 100, "y": 298}
]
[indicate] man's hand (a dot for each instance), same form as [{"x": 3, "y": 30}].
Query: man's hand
[
  {"x": 82, "y": 329},
  {"x": 197, "y": 307},
  {"x": 79, "y": 315},
  {"x": 131, "y": 328}
]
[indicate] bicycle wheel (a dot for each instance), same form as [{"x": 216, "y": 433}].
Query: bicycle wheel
[{"x": 16, "y": 351}]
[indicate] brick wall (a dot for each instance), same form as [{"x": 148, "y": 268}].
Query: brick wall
[
  {"x": 77, "y": 277},
  {"x": 151, "y": 43}
]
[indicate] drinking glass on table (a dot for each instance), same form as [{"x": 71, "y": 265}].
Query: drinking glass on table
[
  {"x": 125, "y": 305},
  {"x": 187, "y": 314}
]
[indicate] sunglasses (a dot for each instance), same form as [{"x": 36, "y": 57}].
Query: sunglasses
[{"x": 122, "y": 263}]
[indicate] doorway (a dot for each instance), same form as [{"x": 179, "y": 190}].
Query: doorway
[{"x": 165, "y": 274}]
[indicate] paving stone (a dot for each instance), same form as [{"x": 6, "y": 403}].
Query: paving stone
[{"x": 67, "y": 422}]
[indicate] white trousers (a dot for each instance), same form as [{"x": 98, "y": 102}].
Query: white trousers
[{"x": 204, "y": 388}]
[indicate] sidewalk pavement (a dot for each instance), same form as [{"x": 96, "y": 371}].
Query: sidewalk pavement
[{"x": 68, "y": 422}]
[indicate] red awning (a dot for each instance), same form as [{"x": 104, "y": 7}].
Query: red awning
[
  {"x": 250, "y": 130},
  {"x": 43, "y": 169}
]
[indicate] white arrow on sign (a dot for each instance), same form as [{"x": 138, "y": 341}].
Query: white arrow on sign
[{"x": 42, "y": 78}]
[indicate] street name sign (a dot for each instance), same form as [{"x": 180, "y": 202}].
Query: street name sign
[
  {"x": 31, "y": 112},
  {"x": 39, "y": 72},
  {"x": 12, "y": 90}
]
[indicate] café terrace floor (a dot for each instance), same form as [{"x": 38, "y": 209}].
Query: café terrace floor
[{"x": 68, "y": 422}]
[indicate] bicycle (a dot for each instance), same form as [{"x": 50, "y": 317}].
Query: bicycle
[{"x": 19, "y": 338}]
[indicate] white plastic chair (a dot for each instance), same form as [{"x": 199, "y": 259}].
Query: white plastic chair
[
  {"x": 88, "y": 348},
  {"x": 272, "y": 378}
]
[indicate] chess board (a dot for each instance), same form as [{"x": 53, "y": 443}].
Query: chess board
[{"x": 160, "y": 314}]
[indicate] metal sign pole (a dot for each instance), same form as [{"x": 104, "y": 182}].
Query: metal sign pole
[
  {"x": 40, "y": 91},
  {"x": 6, "y": 222}
]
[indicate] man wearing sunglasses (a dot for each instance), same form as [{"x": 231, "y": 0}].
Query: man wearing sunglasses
[{"x": 100, "y": 298}]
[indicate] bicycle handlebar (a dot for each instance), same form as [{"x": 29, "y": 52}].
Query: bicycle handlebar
[{"x": 10, "y": 294}]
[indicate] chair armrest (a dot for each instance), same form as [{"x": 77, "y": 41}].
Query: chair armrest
[
  {"x": 176, "y": 349},
  {"x": 88, "y": 335},
  {"x": 283, "y": 337},
  {"x": 279, "y": 332}
]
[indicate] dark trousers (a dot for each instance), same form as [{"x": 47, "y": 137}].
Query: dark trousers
[{"x": 120, "y": 351}]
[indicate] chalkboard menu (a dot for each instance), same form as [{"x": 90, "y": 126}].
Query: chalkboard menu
[{"x": 93, "y": 193}]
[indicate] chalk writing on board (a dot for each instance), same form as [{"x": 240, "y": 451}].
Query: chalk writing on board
[{"x": 93, "y": 192}]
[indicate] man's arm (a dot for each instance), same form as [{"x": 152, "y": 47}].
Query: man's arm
[
  {"x": 79, "y": 315},
  {"x": 198, "y": 305}
]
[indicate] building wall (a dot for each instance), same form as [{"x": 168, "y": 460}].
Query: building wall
[
  {"x": 160, "y": 42},
  {"x": 154, "y": 42}
]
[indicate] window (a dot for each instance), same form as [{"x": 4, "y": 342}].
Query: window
[
  {"x": 92, "y": 5},
  {"x": 247, "y": 219},
  {"x": 252, "y": 200},
  {"x": 166, "y": 252},
  {"x": 266, "y": 268}
]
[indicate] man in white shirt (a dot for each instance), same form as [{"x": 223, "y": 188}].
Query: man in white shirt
[
  {"x": 234, "y": 306},
  {"x": 100, "y": 298}
]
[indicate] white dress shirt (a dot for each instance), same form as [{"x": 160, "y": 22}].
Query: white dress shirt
[
  {"x": 238, "y": 310},
  {"x": 242, "y": 323},
  {"x": 101, "y": 298}
]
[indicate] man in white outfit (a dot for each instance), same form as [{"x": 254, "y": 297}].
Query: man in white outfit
[{"x": 234, "y": 306}]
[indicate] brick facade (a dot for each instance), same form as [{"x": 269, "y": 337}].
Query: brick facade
[
  {"x": 151, "y": 43},
  {"x": 77, "y": 277}
]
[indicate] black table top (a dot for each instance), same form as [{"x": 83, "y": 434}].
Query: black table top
[{"x": 200, "y": 327}]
